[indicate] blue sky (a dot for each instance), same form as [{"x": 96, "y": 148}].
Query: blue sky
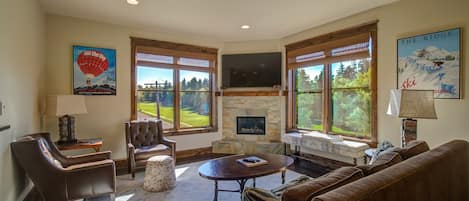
[
  {"x": 448, "y": 40},
  {"x": 313, "y": 71},
  {"x": 150, "y": 75}
]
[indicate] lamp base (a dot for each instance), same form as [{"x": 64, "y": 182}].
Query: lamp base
[
  {"x": 408, "y": 131},
  {"x": 67, "y": 129}
]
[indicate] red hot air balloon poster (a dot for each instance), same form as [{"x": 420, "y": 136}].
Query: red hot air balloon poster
[{"x": 94, "y": 71}]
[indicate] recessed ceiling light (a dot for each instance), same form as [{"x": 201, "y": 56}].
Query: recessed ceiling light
[
  {"x": 132, "y": 2},
  {"x": 245, "y": 26}
]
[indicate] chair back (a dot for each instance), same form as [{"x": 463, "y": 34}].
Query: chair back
[
  {"x": 34, "y": 155},
  {"x": 144, "y": 133}
]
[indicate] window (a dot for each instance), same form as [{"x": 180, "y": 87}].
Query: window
[
  {"x": 332, "y": 83},
  {"x": 179, "y": 80}
]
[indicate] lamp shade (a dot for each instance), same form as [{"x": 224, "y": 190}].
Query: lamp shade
[
  {"x": 418, "y": 104},
  {"x": 61, "y": 105}
]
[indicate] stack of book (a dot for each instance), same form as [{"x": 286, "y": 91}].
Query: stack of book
[{"x": 252, "y": 161}]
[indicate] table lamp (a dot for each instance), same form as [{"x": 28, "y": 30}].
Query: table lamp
[
  {"x": 411, "y": 105},
  {"x": 63, "y": 106}
]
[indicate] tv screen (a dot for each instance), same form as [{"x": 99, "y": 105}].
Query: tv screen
[{"x": 252, "y": 70}]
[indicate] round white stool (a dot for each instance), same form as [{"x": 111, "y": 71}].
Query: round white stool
[{"x": 159, "y": 174}]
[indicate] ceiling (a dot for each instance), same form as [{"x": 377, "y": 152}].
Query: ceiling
[{"x": 217, "y": 19}]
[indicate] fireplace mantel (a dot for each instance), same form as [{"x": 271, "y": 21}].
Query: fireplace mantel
[{"x": 252, "y": 93}]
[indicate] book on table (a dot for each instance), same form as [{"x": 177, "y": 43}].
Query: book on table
[{"x": 252, "y": 161}]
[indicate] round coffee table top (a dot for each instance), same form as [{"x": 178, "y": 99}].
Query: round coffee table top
[{"x": 227, "y": 168}]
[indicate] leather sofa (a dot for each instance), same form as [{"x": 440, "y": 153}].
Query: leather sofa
[
  {"x": 414, "y": 173},
  {"x": 60, "y": 178},
  {"x": 144, "y": 140}
]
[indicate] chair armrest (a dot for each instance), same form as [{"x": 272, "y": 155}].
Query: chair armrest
[
  {"x": 90, "y": 165},
  {"x": 172, "y": 144},
  {"x": 168, "y": 142},
  {"x": 86, "y": 158},
  {"x": 90, "y": 179}
]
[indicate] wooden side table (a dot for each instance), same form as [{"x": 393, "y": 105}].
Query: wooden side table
[{"x": 95, "y": 143}]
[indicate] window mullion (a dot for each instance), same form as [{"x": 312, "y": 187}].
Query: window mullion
[
  {"x": 177, "y": 97},
  {"x": 326, "y": 100}
]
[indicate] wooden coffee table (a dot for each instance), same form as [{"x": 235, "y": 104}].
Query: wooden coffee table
[{"x": 227, "y": 168}]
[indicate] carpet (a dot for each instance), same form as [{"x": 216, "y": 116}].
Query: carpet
[{"x": 190, "y": 186}]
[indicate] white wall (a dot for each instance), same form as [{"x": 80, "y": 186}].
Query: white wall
[
  {"x": 403, "y": 18},
  {"x": 106, "y": 114},
  {"x": 22, "y": 55}
]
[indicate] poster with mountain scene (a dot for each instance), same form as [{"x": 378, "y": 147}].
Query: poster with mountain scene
[
  {"x": 94, "y": 71},
  {"x": 431, "y": 61}
]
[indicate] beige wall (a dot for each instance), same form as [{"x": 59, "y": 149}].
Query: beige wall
[
  {"x": 22, "y": 56},
  {"x": 403, "y": 18},
  {"x": 106, "y": 114}
]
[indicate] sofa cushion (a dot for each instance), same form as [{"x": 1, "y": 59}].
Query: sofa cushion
[
  {"x": 145, "y": 152},
  {"x": 384, "y": 160},
  {"x": 318, "y": 186},
  {"x": 414, "y": 148}
]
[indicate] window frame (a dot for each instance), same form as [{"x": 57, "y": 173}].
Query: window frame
[
  {"x": 177, "y": 51},
  {"x": 326, "y": 43}
]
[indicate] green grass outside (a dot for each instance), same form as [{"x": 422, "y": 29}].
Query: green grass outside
[
  {"x": 346, "y": 132},
  {"x": 188, "y": 118}
]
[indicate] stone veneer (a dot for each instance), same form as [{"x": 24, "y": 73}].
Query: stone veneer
[{"x": 233, "y": 106}]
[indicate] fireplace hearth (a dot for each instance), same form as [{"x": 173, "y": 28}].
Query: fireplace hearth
[{"x": 250, "y": 125}]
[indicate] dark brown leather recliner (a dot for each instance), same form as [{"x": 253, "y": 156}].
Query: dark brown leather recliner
[
  {"x": 144, "y": 140},
  {"x": 60, "y": 178}
]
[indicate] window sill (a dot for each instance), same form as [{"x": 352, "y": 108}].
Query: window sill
[{"x": 189, "y": 131}]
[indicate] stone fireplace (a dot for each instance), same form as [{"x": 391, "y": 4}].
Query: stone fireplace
[{"x": 261, "y": 110}]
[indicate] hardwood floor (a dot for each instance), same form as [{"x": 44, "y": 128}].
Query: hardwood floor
[
  {"x": 310, "y": 168},
  {"x": 313, "y": 167}
]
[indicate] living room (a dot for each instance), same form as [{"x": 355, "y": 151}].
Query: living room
[{"x": 37, "y": 61}]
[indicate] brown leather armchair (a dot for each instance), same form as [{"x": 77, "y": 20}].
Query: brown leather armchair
[
  {"x": 60, "y": 178},
  {"x": 144, "y": 140}
]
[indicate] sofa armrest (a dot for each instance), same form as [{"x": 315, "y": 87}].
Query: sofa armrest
[
  {"x": 257, "y": 194},
  {"x": 309, "y": 189}
]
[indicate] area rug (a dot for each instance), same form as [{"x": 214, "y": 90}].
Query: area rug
[{"x": 190, "y": 186}]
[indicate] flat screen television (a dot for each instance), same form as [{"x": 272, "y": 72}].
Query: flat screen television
[{"x": 251, "y": 70}]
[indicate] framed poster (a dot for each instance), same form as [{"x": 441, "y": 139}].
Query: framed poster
[
  {"x": 94, "y": 71},
  {"x": 431, "y": 61}
]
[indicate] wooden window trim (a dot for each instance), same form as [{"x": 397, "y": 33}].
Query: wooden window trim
[
  {"x": 177, "y": 50},
  {"x": 350, "y": 40},
  {"x": 326, "y": 43}
]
